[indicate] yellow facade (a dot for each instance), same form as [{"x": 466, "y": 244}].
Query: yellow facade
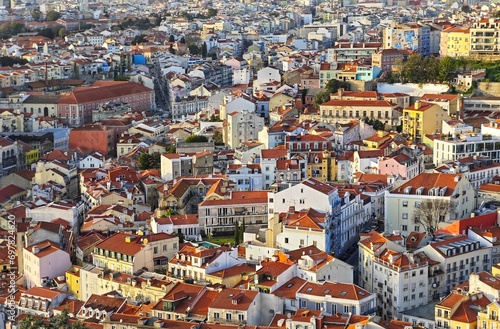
[
  {"x": 73, "y": 281},
  {"x": 323, "y": 168},
  {"x": 489, "y": 318},
  {"x": 31, "y": 156},
  {"x": 423, "y": 118},
  {"x": 455, "y": 42}
]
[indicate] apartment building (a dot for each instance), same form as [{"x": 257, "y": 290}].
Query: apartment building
[
  {"x": 399, "y": 278},
  {"x": 221, "y": 213},
  {"x": 343, "y": 111},
  {"x": 484, "y": 36},
  {"x": 458, "y": 257},
  {"x": 336, "y": 298},
  {"x": 402, "y": 202},
  {"x": 463, "y": 146},
  {"x": 461, "y": 309},
  {"x": 479, "y": 170},
  {"x": 241, "y": 127},
  {"x": 423, "y": 118},
  {"x": 128, "y": 253},
  {"x": 455, "y": 42},
  {"x": 410, "y": 36}
]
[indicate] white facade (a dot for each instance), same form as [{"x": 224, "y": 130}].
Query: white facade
[
  {"x": 242, "y": 126},
  {"x": 43, "y": 262}
]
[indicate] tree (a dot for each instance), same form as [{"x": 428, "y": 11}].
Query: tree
[
  {"x": 155, "y": 160},
  {"x": 47, "y": 32},
  {"x": 466, "y": 9},
  {"x": 242, "y": 231},
  {"x": 171, "y": 38},
  {"x": 30, "y": 322},
  {"x": 138, "y": 39},
  {"x": 53, "y": 15},
  {"x": 334, "y": 85},
  {"x": 217, "y": 138},
  {"x": 211, "y": 12},
  {"x": 194, "y": 50},
  {"x": 63, "y": 32},
  {"x": 170, "y": 149},
  {"x": 236, "y": 233},
  {"x": 36, "y": 14},
  {"x": 9, "y": 61},
  {"x": 431, "y": 212},
  {"x": 78, "y": 325},
  {"x": 196, "y": 139},
  {"x": 183, "y": 40},
  {"x": 320, "y": 98},
  {"x": 60, "y": 321},
  {"x": 144, "y": 161},
  {"x": 204, "y": 50},
  {"x": 446, "y": 69}
]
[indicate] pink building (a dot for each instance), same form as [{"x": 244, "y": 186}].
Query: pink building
[{"x": 399, "y": 165}]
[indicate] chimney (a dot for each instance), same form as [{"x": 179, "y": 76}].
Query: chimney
[
  {"x": 291, "y": 210},
  {"x": 417, "y": 105}
]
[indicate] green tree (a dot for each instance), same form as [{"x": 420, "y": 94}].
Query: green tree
[
  {"x": 63, "y": 32},
  {"x": 9, "y": 61},
  {"x": 242, "y": 231},
  {"x": 155, "y": 160},
  {"x": 138, "y": 39},
  {"x": 334, "y": 85},
  {"x": 466, "y": 9},
  {"x": 236, "y": 233},
  {"x": 446, "y": 69},
  {"x": 194, "y": 50},
  {"x": 204, "y": 50},
  {"x": 78, "y": 325},
  {"x": 320, "y": 98},
  {"x": 211, "y": 12},
  {"x": 53, "y": 15},
  {"x": 196, "y": 139},
  {"x": 36, "y": 14},
  {"x": 217, "y": 138},
  {"x": 170, "y": 149},
  {"x": 60, "y": 321},
  {"x": 47, "y": 32},
  {"x": 144, "y": 161},
  {"x": 30, "y": 322}
]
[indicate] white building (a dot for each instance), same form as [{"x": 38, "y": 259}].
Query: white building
[
  {"x": 43, "y": 262},
  {"x": 401, "y": 203},
  {"x": 242, "y": 126},
  {"x": 247, "y": 177}
]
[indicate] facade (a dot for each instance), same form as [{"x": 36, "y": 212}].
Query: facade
[
  {"x": 344, "y": 111},
  {"x": 43, "y": 262},
  {"x": 423, "y": 118},
  {"x": 93, "y": 137},
  {"x": 402, "y": 202},
  {"x": 410, "y": 36},
  {"x": 455, "y": 42},
  {"x": 75, "y": 108},
  {"x": 484, "y": 37},
  {"x": 128, "y": 253},
  {"x": 241, "y": 127},
  {"x": 235, "y": 306}
]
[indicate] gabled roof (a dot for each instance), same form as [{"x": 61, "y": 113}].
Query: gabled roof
[
  {"x": 234, "y": 299},
  {"x": 335, "y": 289}
]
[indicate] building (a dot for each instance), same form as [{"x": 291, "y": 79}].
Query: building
[
  {"x": 221, "y": 213},
  {"x": 235, "y": 306},
  {"x": 458, "y": 257},
  {"x": 128, "y": 252},
  {"x": 401, "y": 203},
  {"x": 93, "y": 138},
  {"x": 336, "y": 298},
  {"x": 75, "y": 108},
  {"x": 388, "y": 60},
  {"x": 455, "y": 42},
  {"x": 43, "y": 262},
  {"x": 241, "y": 127},
  {"x": 484, "y": 37},
  {"x": 410, "y": 36},
  {"x": 423, "y": 118}
]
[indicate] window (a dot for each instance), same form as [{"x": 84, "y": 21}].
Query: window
[
  {"x": 404, "y": 228},
  {"x": 405, "y": 203},
  {"x": 405, "y": 215},
  {"x": 228, "y": 316},
  {"x": 241, "y": 317},
  {"x": 216, "y": 315},
  {"x": 301, "y": 242},
  {"x": 164, "y": 247},
  {"x": 155, "y": 250},
  {"x": 286, "y": 240}
]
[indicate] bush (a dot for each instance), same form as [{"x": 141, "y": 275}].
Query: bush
[{"x": 196, "y": 139}]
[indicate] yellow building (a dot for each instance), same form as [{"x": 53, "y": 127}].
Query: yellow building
[
  {"x": 455, "y": 42},
  {"x": 231, "y": 276},
  {"x": 31, "y": 156},
  {"x": 423, "y": 118},
  {"x": 460, "y": 310},
  {"x": 322, "y": 166},
  {"x": 489, "y": 316},
  {"x": 375, "y": 141},
  {"x": 73, "y": 281}
]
